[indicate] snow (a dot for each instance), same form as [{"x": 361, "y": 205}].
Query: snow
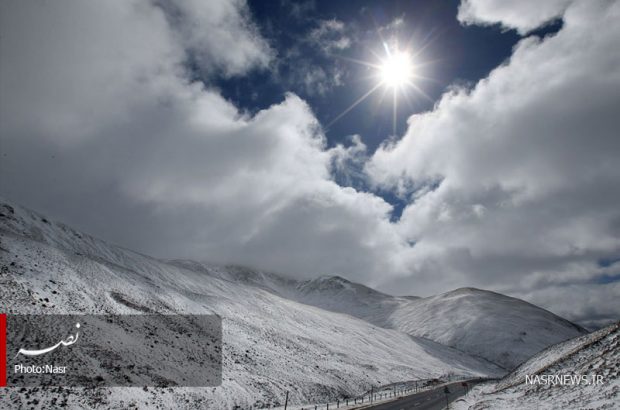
[
  {"x": 271, "y": 343},
  {"x": 595, "y": 354},
  {"x": 501, "y": 329},
  {"x": 495, "y": 327},
  {"x": 320, "y": 339}
]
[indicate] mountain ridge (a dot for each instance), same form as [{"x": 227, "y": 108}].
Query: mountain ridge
[
  {"x": 271, "y": 342},
  {"x": 464, "y": 318},
  {"x": 513, "y": 343},
  {"x": 593, "y": 360}
]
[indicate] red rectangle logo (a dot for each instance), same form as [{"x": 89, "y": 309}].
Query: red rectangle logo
[{"x": 2, "y": 349}]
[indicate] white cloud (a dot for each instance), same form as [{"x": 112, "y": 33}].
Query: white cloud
[
  {"x": 523, "y": 15},
  {"x": 534, "y": 147},
  {"x": 393, "y": 26},
  {"x": 590, "y": 304},
  {"x": 218, "y": 33},
  {"x": 330, "y": 36},
  {"x": 319, "y": 81},
  {"x": 104, "y": 129},
  {"x": 348, "y": 161},
  {"x": 300, "y": 9}
]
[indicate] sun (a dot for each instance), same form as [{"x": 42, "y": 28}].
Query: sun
[
  {"x": 396, "y": 70},
  {"x": 396, "y": 73}
]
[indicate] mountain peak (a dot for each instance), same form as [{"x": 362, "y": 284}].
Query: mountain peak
[{"x": 332, "y": 278}]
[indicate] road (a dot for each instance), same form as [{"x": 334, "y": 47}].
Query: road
[{"x": 428, "y": 400}]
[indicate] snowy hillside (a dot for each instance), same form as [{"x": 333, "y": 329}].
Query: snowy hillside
[
  {"x": 501, "y": 329},
  {"x": 590, "y": 356},
  {"x": 504, "y": 330},
  {"x": 271, "y": 343},
  {"x": 340, "y": 295}
]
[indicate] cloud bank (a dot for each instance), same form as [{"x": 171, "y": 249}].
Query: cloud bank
[
  {"x": 107, "y": 131},
  {"x": 511, "y": 185},
  {"x": 523, "y": 16}
]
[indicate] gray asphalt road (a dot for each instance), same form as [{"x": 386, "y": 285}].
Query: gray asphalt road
[{"x": 428, "y": 400}]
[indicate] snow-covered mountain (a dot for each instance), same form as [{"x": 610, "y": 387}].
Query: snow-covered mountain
[
  {"x": 271, "y": 343},
  {"x": 498, "y": 328},
  {"x": 589, "y": 367},
  {"x": 319, "y": 339},
  {"x": 504, "y": 330}
]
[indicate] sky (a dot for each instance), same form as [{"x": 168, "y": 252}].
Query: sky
[{"x": 236, "y": 132}]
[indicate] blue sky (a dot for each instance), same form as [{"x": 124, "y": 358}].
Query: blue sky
[
  {"x": 205, "y": 130},
  {"x": 454, "y": 54},
  {"x": 449, "y": 53}
]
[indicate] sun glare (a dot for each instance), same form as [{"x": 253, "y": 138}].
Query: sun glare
[
  {"x": 396, "y": 73},
  {"x": 396, "y": 70}
]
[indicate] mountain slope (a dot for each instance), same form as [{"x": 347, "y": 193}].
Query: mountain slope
[
  {"x": 271, "y": 343},
  {"x": 498, "y": 328},
  {"x": 581, "y": 359},
  {"x": 340, "y": 295},
  {"x": 501, "y": 329}
]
